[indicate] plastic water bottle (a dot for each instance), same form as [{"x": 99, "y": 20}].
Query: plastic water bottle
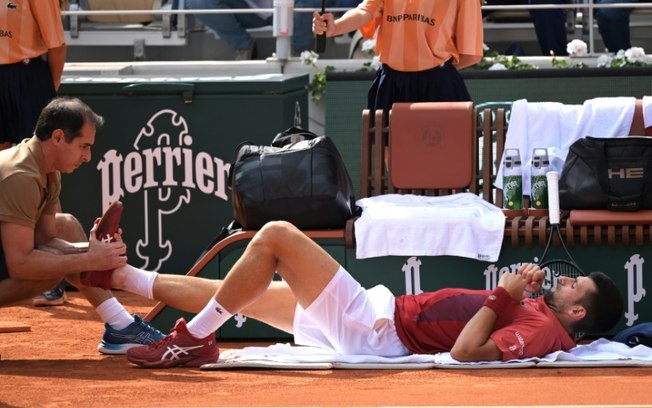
[
  {"x": 539, "y": 183},
  {"x": 512, "y": 180}
]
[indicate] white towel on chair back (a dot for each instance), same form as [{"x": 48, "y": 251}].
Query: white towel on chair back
[
  {"x": 647, "y": 111},
  {"x": 556, "y": 126},
  {"x": 411, "y": 225}
]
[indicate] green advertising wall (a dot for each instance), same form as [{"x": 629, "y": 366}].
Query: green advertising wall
[
  {"x": 401, "y": 274},
  {"x": 165, "y": 152}
]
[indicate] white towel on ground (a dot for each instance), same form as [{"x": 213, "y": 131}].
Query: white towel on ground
[
  {"x": 647, "y": 111},
  {"x": 410, "y": 225},
  {"x": 598, "y": 350},
  {"x": 601, "y": 352},
  {"x": 556, "y": 126}
]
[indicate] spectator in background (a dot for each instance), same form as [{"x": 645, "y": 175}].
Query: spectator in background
[
  {"x": 613, "y": 24},
  {"x": 232, "y": 28},
  {"x": 549, "y": 24}
]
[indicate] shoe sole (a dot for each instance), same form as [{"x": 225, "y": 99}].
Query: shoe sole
[
  {"x": 192, "y": 362},
  {"x": 115, "y": 349},
  {"x": 49, "y": 302}
]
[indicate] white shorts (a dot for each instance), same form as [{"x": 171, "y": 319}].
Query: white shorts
[{"x": 350, "y": 320}]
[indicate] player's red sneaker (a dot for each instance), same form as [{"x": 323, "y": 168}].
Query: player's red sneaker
[
  {"x": 106, "y": 229},
  {"x": 179, "y": 348}
]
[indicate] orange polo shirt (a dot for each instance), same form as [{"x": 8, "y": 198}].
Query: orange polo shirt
[
  {"x": 416, "y": 35},
  {"x": 28, "y": 28}
]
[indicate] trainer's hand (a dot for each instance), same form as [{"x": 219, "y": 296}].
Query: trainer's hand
[
  {"x": 323, "y": 23},
  {"x": 116, "y": 237},
  {"x": 106, "y": 255}
]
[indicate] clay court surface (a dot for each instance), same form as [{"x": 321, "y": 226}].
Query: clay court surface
[{"x": 56, "y": 365}]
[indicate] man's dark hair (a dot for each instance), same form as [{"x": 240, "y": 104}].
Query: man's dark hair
[
  {"x": 604, "y": 306},
  {"x": 67, "y": 114}
]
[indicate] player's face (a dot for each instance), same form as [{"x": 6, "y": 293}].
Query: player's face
[{"x": 569, "y": 292}]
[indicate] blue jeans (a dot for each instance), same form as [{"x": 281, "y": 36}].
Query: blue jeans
[
  {"x": 233, "y": 27},
  {"x": 613, "y": 25},
  {"x": 549, "y": 24}
]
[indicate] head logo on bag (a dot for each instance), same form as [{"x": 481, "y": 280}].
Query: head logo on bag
[{"x": 607, "y": 173}]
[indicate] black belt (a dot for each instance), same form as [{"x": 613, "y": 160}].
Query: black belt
[{"x": 26, "y": 61}]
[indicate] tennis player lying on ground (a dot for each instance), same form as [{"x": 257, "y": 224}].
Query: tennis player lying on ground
[{"x": 323, "y": 306}]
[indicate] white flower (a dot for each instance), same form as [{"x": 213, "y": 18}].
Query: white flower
[
  {"x": 497, "y": 67},
  {"x": 485, "y": 47},
  {"x": 576, "y": 48},
  {"x": 604, "y": 61},
  {"x": 375, "y": 63},
  {"x": 620, "y": 54},
  {"x": 635, "y": 54},
  {"x": 309, "y": 57},
  {"x": 369, "y": 46}
]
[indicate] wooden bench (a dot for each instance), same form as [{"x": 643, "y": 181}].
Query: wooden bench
[{"x": 525, "y": 227}]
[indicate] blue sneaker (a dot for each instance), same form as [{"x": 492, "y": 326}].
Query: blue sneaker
[{"x": 136, "y": 334}]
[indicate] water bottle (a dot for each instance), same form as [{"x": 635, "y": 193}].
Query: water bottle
[
  {"x": 539, "y": 184},
  {"x": 512, "y": 180}
]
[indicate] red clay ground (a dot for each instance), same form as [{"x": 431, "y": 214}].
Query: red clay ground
[{"x": 56, "y": 365}]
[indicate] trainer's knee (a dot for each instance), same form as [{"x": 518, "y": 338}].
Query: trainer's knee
[{"x": 69, "y": 228}]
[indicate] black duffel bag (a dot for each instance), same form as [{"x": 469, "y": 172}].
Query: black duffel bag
[
  {"x": 607, "y": 173},
  {"x": 301, "y": 178}
]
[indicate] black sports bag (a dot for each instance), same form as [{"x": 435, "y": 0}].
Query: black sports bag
[{"x": 301, "y": 178}]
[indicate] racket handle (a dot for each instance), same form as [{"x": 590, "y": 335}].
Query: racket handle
[
  {"x": 320, "y": 43},
  {"x": 320, "y": 40},
  {"x": 553, "y": 196}
]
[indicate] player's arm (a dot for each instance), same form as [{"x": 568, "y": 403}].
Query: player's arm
[
  {"x": 26, "y": 262},
  {"x": 474, "y": 342}
]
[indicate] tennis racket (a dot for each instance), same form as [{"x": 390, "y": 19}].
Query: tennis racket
[
  {"x": 560, "y": 264},
  {"x": 320, "y": 40}
]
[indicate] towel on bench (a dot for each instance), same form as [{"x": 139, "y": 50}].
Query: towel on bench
[
  {"x": 412, "y": 225},
  {"x": 556, "y": 126}
]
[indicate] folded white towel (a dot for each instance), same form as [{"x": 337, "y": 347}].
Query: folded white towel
[{"x": 411, "y": 225}]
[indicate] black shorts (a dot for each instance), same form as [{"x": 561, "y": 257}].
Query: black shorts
[
  {"x": 26, "y": 88},
  {"x": 439, "y": 84}
]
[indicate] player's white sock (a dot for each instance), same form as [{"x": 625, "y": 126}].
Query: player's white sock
[
  {"x": 114, "y": 314},
  {"x": 211, "y": 318},
  {"x": 134, "y": 280}
]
